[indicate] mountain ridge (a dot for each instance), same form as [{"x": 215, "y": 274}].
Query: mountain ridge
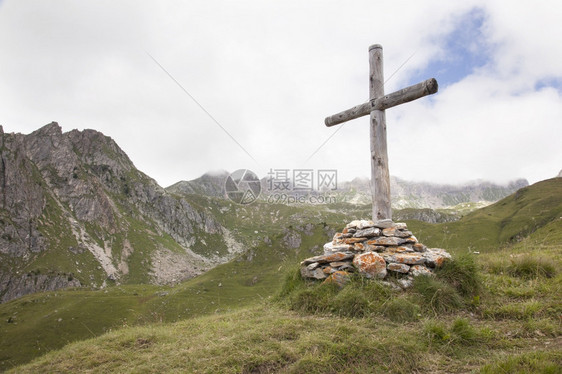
[
  {"x": 76, "y": 211},
  {"x": 404, "y": 194}
]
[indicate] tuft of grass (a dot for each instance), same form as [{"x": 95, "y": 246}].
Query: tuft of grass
[
  {"x": 464, "y": 332},
  {"x": 462, "y": 273},
  {"x": 402, "y": 309},
  {"x": 461, "y": 333},
  {"x": 317, "y": 299},
  {"x": 437, "y": 295},
  {"x": 293, "y": 281},
  {"x": 352, "y": 302},
  {"x": 533, "y": 362},
  {"x": 515, "y": 310},
  {"x": 530, "y": 267}
]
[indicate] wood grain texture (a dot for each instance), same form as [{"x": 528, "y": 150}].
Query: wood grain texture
[
  {"x": 416, "y": 91},
  {"x": 380, "y": 178}
]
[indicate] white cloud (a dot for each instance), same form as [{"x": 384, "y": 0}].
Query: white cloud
[{"x": 271, "y": 71}]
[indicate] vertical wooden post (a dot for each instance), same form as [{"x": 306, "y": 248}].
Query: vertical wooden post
[{"x": 380, "y": 179}]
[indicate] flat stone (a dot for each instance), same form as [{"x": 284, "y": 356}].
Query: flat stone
[
  {"x": 328, "y": 270},
  {"x": 403, "y": 233},
  {"x": 411, "y": 239},
  {"x": 390, "y": 231},
  {"x": 435, "y": 256},
  {"x": 363, "y": 224},
  {"x": 331, "y": 247},
  {"x": 327, "y": 258},
  {"x": 417, "y": 270},
  {"x": 384, "y": 223},
  {"x": 419, "y": 247},
  {"x": 386, "y": 241},
  {"x": 404, "y": 258},
  {"x": 404, "y": 249},
  {"x": 400, "y": 268},
  {"x": 367, "y": 233},
  {"x": 359, "y": 224},
  {"x": 313, "y": 274},
  {"x": 401, "y": 226},
  {"x": 337, "y": 264},
  {"x": 370, "y": 264},
  {"x": 340, "y": 236},
  {"x": 312, "y": 266},
  {"x": 339, "y": 277},
  {"x": 354, "y": 240},
  {"x": 359, "y": 247},
  {"x": 364, "y": 247}
]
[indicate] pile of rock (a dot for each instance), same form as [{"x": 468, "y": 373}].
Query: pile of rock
[{"x": 374, "y": 250}]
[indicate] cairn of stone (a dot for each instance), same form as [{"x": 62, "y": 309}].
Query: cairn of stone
[{"x": 374, "y": 250}]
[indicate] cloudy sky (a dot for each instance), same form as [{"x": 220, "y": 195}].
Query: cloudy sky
[{"x": 269, "y": 72}]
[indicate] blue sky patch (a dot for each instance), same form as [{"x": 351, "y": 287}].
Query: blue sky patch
[
  {"x": 465, "y": 50},
  {"x": 554, "y": 82}
]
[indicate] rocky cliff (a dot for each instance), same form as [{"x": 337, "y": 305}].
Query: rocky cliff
[
  {"x": 420, "y": 195},
  {"x": 74, "y": 211}
]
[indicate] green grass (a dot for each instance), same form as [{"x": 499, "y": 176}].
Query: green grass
[
  {"x": 533, "y": 362},
  {"x": 254, "y": 340},
  {"x": 481, "y": 312}
]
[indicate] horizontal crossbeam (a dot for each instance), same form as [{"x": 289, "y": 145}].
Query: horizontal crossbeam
[{"x": 428, "y": 87}]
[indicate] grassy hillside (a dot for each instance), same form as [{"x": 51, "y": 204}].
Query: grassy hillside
[
  {"x": 38, "y": 323},
  {"x": 510, "y": 326},
  {"x": 495, "y": 226},
  {"x": 225, "y": 320}
]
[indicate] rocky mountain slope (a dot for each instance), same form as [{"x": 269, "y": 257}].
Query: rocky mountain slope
[{"x": 74, "y": 211}]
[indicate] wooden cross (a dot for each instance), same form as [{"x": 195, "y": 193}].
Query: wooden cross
[{"x": 378, "y": 102}]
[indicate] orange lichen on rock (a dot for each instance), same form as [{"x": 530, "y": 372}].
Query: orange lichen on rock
[
  {"x": 339, "y": 277},
  {"x": 370, "y": 264}
]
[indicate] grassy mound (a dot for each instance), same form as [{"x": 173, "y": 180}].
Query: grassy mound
[{"x": 453, "y": 287}]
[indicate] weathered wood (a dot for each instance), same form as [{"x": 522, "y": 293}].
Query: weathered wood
[
  {"x": 378, "y": 102},
  {"x": 416, "y": 91},
  {"x": 380, "y": 178}
]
